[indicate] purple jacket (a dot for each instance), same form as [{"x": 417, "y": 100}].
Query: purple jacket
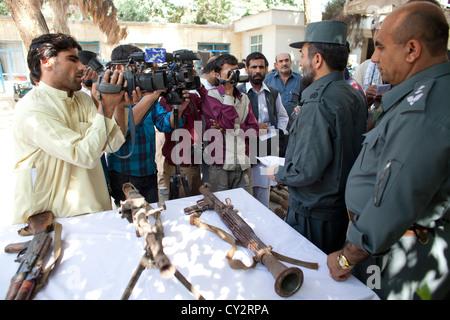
[{"x": 224, "y": 112}]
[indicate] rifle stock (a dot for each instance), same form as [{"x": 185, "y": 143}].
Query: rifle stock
[
  {"x": 288, "y": 280},
  {"x": 17, "y": 247},
  {"x": 202, "y": 205}
]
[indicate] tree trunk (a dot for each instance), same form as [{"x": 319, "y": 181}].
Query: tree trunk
[
  {"x": 103, "y": 12},
  {"x": 31, "y": 23},
  {"x": 28, "y": 18},
  {"x": 313, "y": 11},
  {"x": 59, "y": 10}
]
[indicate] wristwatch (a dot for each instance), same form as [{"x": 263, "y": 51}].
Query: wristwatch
[{"x": 343, "y": 262}]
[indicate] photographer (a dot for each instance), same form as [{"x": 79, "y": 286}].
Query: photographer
[
  {"x": 140, "y": 168},
  {"x": 228, "y": 110},
  {"x": 60, "y": 134},
  {"x": 192, "y": 115}
]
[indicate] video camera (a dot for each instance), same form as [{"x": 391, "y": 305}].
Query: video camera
[
  {"x": 235, "y": 78},
  {"x": 179, "y": 70},
  {"x": 175, "y": 75}
]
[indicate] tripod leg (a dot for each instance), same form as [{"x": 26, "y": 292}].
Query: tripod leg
[
  {"x": 185, "y": 186},
  {"x": 174, "y": 188},
  {"x": 176, "y": 181}
]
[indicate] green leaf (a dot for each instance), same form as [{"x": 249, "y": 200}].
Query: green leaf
[{"x": 424, "y": 293}]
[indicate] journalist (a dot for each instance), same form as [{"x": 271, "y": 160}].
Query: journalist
[
  {"x": 139, "y": 168},
  {"x": 60, "y": 133}
]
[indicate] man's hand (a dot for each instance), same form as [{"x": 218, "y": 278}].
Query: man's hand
[
  {"x": 109, "y": 100},
  {"x": 181, "y": 107},
  {"x": 263, "y": 128},
  {"x": 228, "y": 86},
  {"x": 371, "y": 95},
  {"x": 271, "y": 172},
  {"x": 89, "y": 75},
  {"x": 185, "y": 102},
  {"x": 216, "y": 125},
  {"x": 353, "y": 253},
  {"x": 336, "y": 272}
]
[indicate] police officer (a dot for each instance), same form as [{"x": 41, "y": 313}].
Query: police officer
[
  {"x": 326, "y": 138},
  {"x": 398, "y": 191}
]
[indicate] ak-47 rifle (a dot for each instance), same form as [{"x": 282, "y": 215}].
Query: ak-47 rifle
[
  {"x": 288, "y": 280},
  {"x": 24, "y": 282},
  {"x": 136, "y": 210}
]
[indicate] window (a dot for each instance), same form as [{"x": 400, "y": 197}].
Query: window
[
  {"x": 93, "y": 46},
  {"x": 12, "y": 61},
  {"x": 214, "y": 48},
  {"x": 256, "y": 43},
  {"x": 13, "y": 66}
]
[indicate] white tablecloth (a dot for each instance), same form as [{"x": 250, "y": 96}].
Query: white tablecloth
[{"x": 101, "y": 252}]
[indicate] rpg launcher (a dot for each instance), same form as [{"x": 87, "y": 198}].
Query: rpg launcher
[{"x": 288, "y": 280}]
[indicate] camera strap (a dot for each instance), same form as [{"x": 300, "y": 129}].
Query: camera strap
[
  {"x": 131, "y": 125},
  {"x": 108, "y": 88},
  {"x": 148, "y": 111},
  {"x": 129, "y": 135}
]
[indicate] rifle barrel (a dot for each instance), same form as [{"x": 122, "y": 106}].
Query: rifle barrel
[
  {"x": 16, "y": 283},
  {"x": 30, "y": 269}
]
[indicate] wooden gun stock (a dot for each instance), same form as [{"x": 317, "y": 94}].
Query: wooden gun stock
[
  {"x": 17, "y": 247},
  {"x": 201, "y": 206}
]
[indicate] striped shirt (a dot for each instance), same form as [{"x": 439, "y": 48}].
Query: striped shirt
[{"x": 142, "y": 162}]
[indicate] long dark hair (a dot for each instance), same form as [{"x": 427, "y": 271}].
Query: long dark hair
[{"x": 47, "y": 46}]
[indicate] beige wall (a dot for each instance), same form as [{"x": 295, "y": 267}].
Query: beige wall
[
  {"x": 279, "y": 29},
  {"x": 169, "y": 36},
  {"x": 8, "y": 30},
  {"x": 178, "y": 36},
  {"x": 276, "y": 39}
]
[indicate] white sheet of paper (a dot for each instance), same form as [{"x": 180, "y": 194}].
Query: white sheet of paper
[
  {"x": 382, "y": 88},
  {"x": 271, "y": 132},
  {"x": 271, "y": 160}
]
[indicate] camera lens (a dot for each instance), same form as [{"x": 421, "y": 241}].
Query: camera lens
[{"x": 235, "y": 76}]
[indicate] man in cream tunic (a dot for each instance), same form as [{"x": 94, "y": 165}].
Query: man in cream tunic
[{"x": 60, "y": 135}]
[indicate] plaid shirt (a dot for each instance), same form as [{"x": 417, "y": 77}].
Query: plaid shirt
[{"x": 142, "y": 162}]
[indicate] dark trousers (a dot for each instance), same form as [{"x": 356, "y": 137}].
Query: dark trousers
[
  {"x": 326, "y": 228},
  {"x": 147, "y": 186}
]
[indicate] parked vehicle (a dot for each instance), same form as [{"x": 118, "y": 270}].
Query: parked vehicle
[{"x": 20, "y": 89}]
